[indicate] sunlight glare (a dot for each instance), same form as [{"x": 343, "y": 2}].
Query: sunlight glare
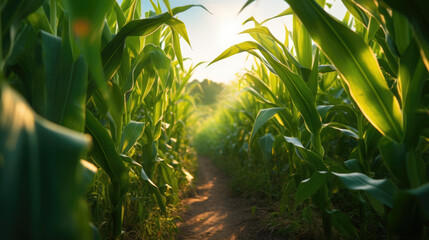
[{"x": 228, "y": 32}]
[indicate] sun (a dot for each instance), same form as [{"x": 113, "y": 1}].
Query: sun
[{"x": 228, "y": 32}]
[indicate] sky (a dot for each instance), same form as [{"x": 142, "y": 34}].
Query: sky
[{"x": 211, "y": 34}]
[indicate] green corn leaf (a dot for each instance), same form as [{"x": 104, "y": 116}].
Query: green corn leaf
[
  {"x": 294, "y": 141},
  {"x": 373, "y": 28},
  {"x": 120, "y": 17},
  {"x": 167, "y": 4},
  {"x": 266, "y": 144},
  {"x": 129, "y": 9},
  {"x": 261, "y": 85},
  {"x": 238, "y": 48},
  {"x": 308, "y": 155},
  {"x": 177, "y": 49},
  {"x": 302, "y": 42},
  {"x": 131, "y": 134},
  {"x": 263, "y": 116},
  {"x": 162, "y": 203},
  {"x": 345, "y": 129},
  {"x": 30, "y": 150},
  {"x": 181, "y": 9},
  {"x": 384, "y": 65},
  {"x": 39, "y": 21},
  {"x": 258, "y": 96},
  {"x": 395, "y": 158},
  {"x": 300, "y": 94},
  {"x": 353, "y": 165},
  {"x": 66, "y": 82},
  {"x": 104, "y": 151},
  {"x": 157, "y": 8},
  {"x": 111, "y": 22},
  {"x": 116, "y": 111},
  {"x": 309, "y": 187},
  {"x": 357, "y": 64},
  {"x": 401, "y": 31},
  {"x": 24, "y": 42},
  {"x": 246, "y": 4},
  {"x": 266, "y": 39},
  {"x": 156, "y": 59},
  {"x": 298, "y": 89},
  {"x": 159, "y": 197},
  {"x": 313, "y": 79},
  {"x": 369, "y": 6},
  {"x": 168, "y": 174},
  {"x": 179, "y": 27},
  {"x": 383, "y": 39},
  {"x": 416, "y": 12},
  {"x": 252, "y": 19},
  {"x": 12, "y": 13},
  {"x": 112, "y": 53},
  {"x": 383, "y": 190},
  {"x": 286, "y": 12},
  {"x": 89, "y": 171},
  {"x": 356, "y": 12},
  {"x": 105, "y": 155},
  {"x": 265, "y": 31},
  {"x": 148, "y": 79},
  {"x": 412, "y": 76},
  {"x": 324, "y": 109},
  {"x": 87, "y": 22}
]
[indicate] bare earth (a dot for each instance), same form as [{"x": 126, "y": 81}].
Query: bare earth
[{"x": 214, "y": 213}]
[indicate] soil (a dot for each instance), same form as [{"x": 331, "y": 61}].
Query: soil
[{"x": 215, "y": 213}]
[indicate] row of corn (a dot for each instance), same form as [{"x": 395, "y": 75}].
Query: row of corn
[
  {"x": 333, "y": 122},
  {"x": 93, "y": 118}
]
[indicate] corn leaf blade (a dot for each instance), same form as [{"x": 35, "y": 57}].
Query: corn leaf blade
[{"x": 357, "y": 64}]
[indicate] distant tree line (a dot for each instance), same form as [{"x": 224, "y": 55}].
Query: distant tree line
[{"x": 206, "y": 92}]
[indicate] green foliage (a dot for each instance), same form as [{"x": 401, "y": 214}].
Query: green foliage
[
  {"x": 94, "y": 81},
  {"x": 33, "y": 180},
  {"x": 340, "y": 124},
  {"x": 206, "y": 92}
]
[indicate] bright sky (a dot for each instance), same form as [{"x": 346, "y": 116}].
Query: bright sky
[{"x": 211, "y": 34}]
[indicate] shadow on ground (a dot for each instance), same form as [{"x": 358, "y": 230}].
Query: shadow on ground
[{"x": 214, "y": 213}]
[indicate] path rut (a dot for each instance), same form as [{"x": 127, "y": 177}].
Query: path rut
[{"x": 214, "y": 213}]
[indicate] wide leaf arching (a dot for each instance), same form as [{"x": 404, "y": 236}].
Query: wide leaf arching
[
  {"x": 301, "y": 95},
  {"x": 112, "y": 52},
  {"x": 263, "y": 116},
  {"x": 265, "y": 31},
  {"x": 130, "y": 135},
  {"x": 381, "y": 189},
  {"x": 358, "y": 66}
]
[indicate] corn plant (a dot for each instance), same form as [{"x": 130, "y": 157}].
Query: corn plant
[
  {"x": 77, "y": 76},
  {"x": 365, "y": 86}
]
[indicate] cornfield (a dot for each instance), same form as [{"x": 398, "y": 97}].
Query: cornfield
[
  {"x": 332, "y": 123},
  {"x": 94, "y": 112},
  {"x": 330, "y": 129}
]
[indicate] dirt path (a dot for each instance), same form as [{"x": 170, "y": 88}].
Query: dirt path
[{"x": 214, "y": 213}]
